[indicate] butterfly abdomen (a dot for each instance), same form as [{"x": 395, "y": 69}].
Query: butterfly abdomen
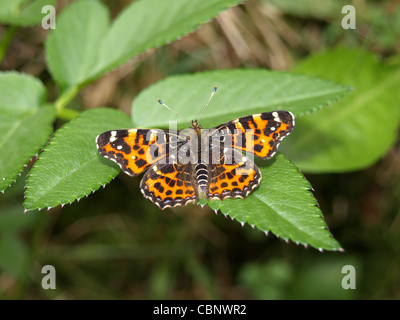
[{"x": 202, "y": 177}]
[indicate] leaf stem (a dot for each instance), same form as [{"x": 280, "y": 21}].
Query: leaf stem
[
  {"x": 68, "y": 114},
  {"x": 66, "y": 97},
  {"x": 63, "y": 100},
  {"x": 6, "y": 40}
]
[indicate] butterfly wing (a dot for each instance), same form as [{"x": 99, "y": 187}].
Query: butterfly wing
[
  {"x": 134, "y": 150},
  {"x": 259, "y": 134},
  {"x": 233, "y": 178},
  {"x": 169, "y": 185}
]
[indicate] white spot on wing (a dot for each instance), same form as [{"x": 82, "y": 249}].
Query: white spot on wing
[{"x": 276, "y": 116}]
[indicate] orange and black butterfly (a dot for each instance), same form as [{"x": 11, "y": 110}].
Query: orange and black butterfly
[{"x": 184, "y": 166}]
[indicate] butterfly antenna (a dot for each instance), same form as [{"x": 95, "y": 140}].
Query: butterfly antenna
[
  {"x": 173, "y": 111},
  {"x": 208, "y": 102}
]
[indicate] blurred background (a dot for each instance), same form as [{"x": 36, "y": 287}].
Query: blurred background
[{"x": 114, "y": 244}]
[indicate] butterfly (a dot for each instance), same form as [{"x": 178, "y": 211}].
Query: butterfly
[{"x": 182, "y": 167}]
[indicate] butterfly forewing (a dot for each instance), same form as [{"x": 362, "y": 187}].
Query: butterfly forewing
[
  {"x": 259, "y": 134},
  {"x": 134, "y": 150}
]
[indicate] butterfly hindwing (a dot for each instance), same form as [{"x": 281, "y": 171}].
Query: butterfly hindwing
[
  {"x": 233, "y": 178},
  {"x": 134, "y": 150},
  {"x": 169, "y": 185}
]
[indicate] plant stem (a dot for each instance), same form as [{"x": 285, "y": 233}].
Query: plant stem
[
  {"x": 68, "y": 114},
  {"x": 63, "y": 100},
  {"x": 6, "y": 40},
  {"x": 66, "y": 97}
]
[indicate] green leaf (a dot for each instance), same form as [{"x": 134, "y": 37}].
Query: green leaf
[
  {"x": 240, "y": 93},
  {"x": 72, "y": 48},
  {"x": 147, "y": 24},
  {"x": 20, "y": 92},
  {"x": 70, "y": 167},
  {"x": 23, "y": 12},
  {"x": 83, "y": 47},
  {"x": 357, "y": 131},
  {"x": 10, "y": 7},
  {"x": 25, "y": 126},
  {"x": 282, "y": 204}
]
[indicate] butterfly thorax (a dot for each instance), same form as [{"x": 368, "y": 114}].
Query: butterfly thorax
[{"x": 196, "y": 126}]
